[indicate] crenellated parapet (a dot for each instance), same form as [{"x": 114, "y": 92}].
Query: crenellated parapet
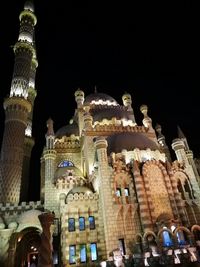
[
  {"x": 16, "y": 109},
  {"x": 69, "y": 144},
  {"x": 10, "y": 208},
  {"x": 109, "y": 129},
  {"x": 80, "y": 196}
]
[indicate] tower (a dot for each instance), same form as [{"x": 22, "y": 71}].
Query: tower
[{"x": 18, "y": 107}]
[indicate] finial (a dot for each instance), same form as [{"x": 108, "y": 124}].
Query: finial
[
  {"x": 158, "y": 129},
  {"x": 29, "y": 5},
  {"x": 95, "y": 89},
  {"x": 147, "y": 120},
  {"x": 180, "y": 133},
  {"x": 79, "y": 97}
]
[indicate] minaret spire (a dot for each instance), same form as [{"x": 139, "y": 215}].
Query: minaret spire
[{"x": 18, "y": 107}]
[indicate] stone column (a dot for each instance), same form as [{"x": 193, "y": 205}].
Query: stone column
[
  {"x": 5, "y": 235},
  {"x": 45, "y": 250}
]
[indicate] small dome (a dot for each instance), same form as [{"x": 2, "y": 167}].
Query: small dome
[
  {"x": 68, "y": 130},
  {"x": 29, "y": 5},
  {"x": 99, "y": 97},
  {"x": 129, "y": 141}
]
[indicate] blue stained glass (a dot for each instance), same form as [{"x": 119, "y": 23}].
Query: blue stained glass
[
  {"x": 91, "y": 222},
  {"x": 71, "y": 224},
  {"x": 72, "y": 254},
  {"x": 65, "y": 163},
  {"x": 81, "y": 223},
  {"x": 167, "y": 239},
  {"x": 83, "y": 255},
  {"x": 93, "y": 251}
]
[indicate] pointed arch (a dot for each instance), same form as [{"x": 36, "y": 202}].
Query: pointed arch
[{"x": 158, "y": 188}]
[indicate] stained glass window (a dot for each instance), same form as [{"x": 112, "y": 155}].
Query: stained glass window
[
  {"x": 93, "y": 251},
  {"x": 72, "y": 254},
  {"x": 167, "y": 241},
  {"x": 71, "y": 224},
  {"x": 81, "y": 223},
  {"x": 65, "y": 163},
  {"x": 83, "y": 254},
  {"x": 91, "y": 222}
]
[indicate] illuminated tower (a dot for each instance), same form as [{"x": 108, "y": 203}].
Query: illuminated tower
[
  {"x": 18, "y": 107},
  {"x": 29, "y": 140}
]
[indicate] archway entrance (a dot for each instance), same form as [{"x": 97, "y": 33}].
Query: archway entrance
[{"x": 27, "y": 246}]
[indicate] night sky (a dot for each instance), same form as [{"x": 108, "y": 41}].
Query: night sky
[{"x": 149, "y": 50}]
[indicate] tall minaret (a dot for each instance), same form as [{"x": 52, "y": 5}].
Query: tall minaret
[
  {"x": 17, "y": 109},
  {"x": 29, "y": 140}
]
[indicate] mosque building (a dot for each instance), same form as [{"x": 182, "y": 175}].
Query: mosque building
[{"x": 109, "y": 182}]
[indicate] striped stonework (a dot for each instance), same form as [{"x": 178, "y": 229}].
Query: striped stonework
[
  {"x": 156, "y": 190},
  {"x": 178, "y": 199},
  {"x": 146, "y": 219}
]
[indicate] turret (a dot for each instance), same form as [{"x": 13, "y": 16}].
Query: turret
[
  {"x": 49, "y": 156},
  {"x": 17, "y": 108},
  {"x": 87, "y": 118},
  {"x": 184, "y": 153},
  {"x": 50, "y": 136},
  {"x": 147, "y": 122},
  {"x": 161, "y": 140},
  {"x": 79, "y": 97},
  {"x": 127, "y": 102},
  {"x": 29, "y": 140}
]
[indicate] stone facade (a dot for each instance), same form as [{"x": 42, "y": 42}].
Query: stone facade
[{"x": 107, "y": 184}]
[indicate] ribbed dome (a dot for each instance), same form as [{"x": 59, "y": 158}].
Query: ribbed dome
[
  {"x": 99, "y": 96},
  {"x": 68, "y": 130},
  {"x": 129, "y": 141}
]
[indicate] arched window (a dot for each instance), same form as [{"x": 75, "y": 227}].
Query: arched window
[
  {"x": 65, "y": 163},
  {"x": 167, "y": 241}
]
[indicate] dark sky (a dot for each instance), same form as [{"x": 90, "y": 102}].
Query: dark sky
[{"x": 148, "y": 49}]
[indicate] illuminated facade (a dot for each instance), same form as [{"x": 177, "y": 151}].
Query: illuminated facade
[{"x": 110, "y": 182}]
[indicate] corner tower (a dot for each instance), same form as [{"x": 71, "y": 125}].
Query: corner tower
[{"x": 18, "y": 108}]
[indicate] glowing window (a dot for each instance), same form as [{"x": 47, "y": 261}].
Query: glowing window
[
  {"x": 65, "y": 163},
  {"x": 72, "y": 254},
  {"x": 81, "y": 223},
  {"x": 93, "y": 251},
  {"x": 71, "y": 224},
  {"x": 91, "y": 222},
  {"x": 167, "y": 239},
  {"x": 126, "y": 192},
  {"x": 118, "y": 192},
  {"x": 83, "y": 254}
]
